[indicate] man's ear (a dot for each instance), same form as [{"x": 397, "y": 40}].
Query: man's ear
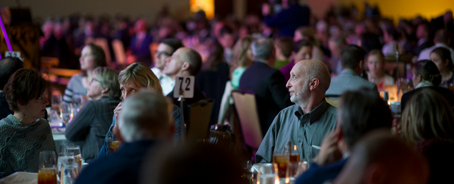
[
  {"x": 313, "y": 83},
  {"x": 361, "y": 65},
  {"x": 185, "y": 66},
  {"x": 105, "y": 91}
]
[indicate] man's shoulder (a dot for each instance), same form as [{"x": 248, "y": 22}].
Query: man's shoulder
[{"x": 343, "y": 83}]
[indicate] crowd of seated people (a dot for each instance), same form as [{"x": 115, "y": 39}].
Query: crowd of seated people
[{"x": 294, "y": 68}]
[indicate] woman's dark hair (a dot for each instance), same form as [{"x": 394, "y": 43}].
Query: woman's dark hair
[
  {"x": 428, "y": 71},
  {"x": 362, "y": 111},
  {"x": 216, "y": 57},
  {"x": 370, "y": 41},
  {"x": 24, "y": 85},
  {"x": 444, "y": 54},
  {"x": 99, "y": 55}
]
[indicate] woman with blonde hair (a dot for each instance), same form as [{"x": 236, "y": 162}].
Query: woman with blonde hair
[
  {"x": 132, "y": 79},
  {"x": 428, "y": 123},
  {"x": 242, "y": 59}
]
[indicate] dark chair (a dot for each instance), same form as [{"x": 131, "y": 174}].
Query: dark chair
[{"x": 199, "y": 119}]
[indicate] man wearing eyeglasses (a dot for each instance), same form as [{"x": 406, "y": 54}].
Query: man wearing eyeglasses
[{"x": 165, "y": 49}]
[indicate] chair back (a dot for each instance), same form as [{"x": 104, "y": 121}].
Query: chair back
[
  {"x": 333, "y": 100},
  {"x": 226, "y": 105},
  {"x": 199, "y": 119},
  {"x": 247, "y": 112}
]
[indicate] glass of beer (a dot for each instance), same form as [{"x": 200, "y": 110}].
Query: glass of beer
[
  {"x": 113, "y": 144},
  {"x": 47, "y": 172},
  {"x": 283, "y": 158}
]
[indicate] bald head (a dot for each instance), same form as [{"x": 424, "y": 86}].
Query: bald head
[
  {"x": 381, "y": 157},
  {"x": 309, "y": 80},
  {"x": 193, "y": 58},
  {"x": 315, "y": 69},
  {"x": 145, "y": 115}
]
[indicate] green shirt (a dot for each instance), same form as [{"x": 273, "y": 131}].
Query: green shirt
[
  {"x": 236, "y": 76},
  {"x": 279, "y": 64},
  {"x": 305, "y": 130}
]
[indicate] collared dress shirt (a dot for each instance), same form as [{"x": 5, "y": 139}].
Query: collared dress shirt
[{"x": 306, "y": 130}]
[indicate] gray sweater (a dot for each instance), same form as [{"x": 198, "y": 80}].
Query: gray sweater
[{"x": 20, "y": 144}]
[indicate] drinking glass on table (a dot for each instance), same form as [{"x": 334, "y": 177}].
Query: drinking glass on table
[
  {"x": 56, "y": 101},
  {"x": 284, "y": 157},
  {"x": 74, "y": 150},
  {"x": 268, "y": 173},
  {"x": 47, "y": 172},
  {"x": 69, "y": 172},
  {"x": 66, "y": 113}
]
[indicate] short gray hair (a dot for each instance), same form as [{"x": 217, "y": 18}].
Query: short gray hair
[
  {"x": 145, "y": 115},
  {"x": 262, "y": 48},
  {"x": 108, "y": 78}
]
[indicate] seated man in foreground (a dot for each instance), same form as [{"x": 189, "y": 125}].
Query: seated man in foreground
[
  {"x": 143, "y": 124},
  {"x": 307, "y": 121}
]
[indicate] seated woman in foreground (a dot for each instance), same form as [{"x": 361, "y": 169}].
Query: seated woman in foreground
[
  {"x": 92, "y": 122},
  {"x": 25, "y": 133},
  {"x": 427, "y": 122}
]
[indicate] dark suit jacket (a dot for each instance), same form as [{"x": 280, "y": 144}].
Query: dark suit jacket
[
  {"x": 271, "y": 95},
  {"x": 319, "y": 174},
  {"x": 212, "y": 83},
  {"x": 122, "y": 166},
  {"x": 443, "y": 91},
  {"x": 423, "y": 46},
  {"x": 142, "y": 52},
  {"x": 288, "y": 20}
]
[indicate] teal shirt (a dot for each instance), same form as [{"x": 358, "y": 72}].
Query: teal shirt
[{"x": 236, "y": 76}]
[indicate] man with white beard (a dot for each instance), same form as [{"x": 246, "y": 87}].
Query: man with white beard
[{"x": 305, "y": 123}]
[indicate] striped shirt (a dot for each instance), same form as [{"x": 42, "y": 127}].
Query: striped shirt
[{"x": 74, "y": 87}]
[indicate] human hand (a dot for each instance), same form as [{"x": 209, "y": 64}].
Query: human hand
[
  {"x": 266, "y": 9},
  {"x": 117, "y": 111},
  {"x": 329, "y": 151}
]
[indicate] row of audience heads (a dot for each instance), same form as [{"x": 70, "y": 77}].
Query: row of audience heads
[{"x": 427, "y": 115}]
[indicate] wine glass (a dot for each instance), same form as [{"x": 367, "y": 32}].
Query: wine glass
[{"x": 74, "y": 150}]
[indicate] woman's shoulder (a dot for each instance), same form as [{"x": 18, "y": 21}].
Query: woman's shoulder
[{"x": 75, "y": 79}]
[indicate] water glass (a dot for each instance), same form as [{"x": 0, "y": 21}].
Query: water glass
[
  {"x": 268, "y": 173},
  {"x": 74, "y": 150},
  {"x": 66, "y": 112},
  {"x": 69, "y": 172},
  {"x": 47, "y": 171}
]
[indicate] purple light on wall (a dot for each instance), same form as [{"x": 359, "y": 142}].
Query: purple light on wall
[{"x": 5, "y": 35}]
